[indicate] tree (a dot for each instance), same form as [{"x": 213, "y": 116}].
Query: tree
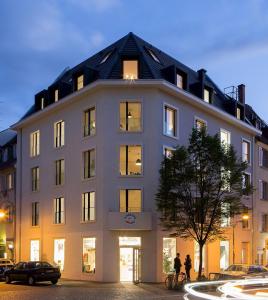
[{"x": 200, "y": 186}]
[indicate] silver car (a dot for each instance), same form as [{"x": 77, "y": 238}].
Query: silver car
[{"x": 238, "y": 271}]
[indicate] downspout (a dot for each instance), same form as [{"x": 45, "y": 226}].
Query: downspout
[
  {"x": 20, "y": 193},
  {"x": 252, "y": 200}
]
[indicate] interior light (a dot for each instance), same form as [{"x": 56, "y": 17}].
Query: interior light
[{"x": 138, "y": 162}]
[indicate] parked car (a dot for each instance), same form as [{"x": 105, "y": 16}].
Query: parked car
[
  {"x": 32, "y": 272},
  {"x": 5, "y": 264},
  {"x": 239, "y": 271}
]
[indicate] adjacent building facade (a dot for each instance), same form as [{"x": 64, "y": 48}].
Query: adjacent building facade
[{"x": 89, "y": 152}]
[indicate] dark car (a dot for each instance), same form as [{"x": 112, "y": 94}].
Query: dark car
[
  {"x": 5, "y": 264},
  {"x": 32, "y": 272}
]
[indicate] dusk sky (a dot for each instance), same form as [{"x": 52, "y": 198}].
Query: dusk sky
[{"x": 38, "y": 39}]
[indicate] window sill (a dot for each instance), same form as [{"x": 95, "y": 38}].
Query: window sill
[
  {"x": 131, "y": 176},
  {"x": 88, "y": 179},
  {"x": 171, "y": 136},
  {"x": 87, "y": 222},
  {"x": 60, "y": 147},
  {"x": 131, "y": 132},
  {"x": 59, "y": 224},
  {"x": 35, "y": 226}
]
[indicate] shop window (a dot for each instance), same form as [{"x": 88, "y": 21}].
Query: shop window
[
  {"x": 130, "y": 201},
  {"x": 89, "y": 163},
  {"x": 89, "y": 255},
  {"x": 224, "y": 254},
  {"x": 59, "y": 253},
  {"x": 35, "y": 143},
  {"x": 130, "y": 69},
  {"x": 35, "y": 250},
  {"x": 170, "y": 121},
  {"x": 90, "y": 122},
  {"x": 130, "y": 116},
  {"x": 169, "y": 253},
  {"x": 130, "y": 160}
]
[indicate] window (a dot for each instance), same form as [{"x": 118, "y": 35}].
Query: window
[
  {"x": 246, "y": 182},
  {"x": 35, "y": 179},
  {"x": 225, "y": 137},
  {"x": 224, "y": 254},
  {"x": 60, "y": 169},
  {"x": 42, "y": 103},
  {"x": 154, "y": 57},
  {"x": 105, "y": 57},
  {"x": 90, "y": 122},
  {"x": 59, "y": 215},
  {"x": 80, "y": 82},
  {"x": 35, "y": 143},
  {"x": 168, "y": 152},
  {"x": 130, "y": 200},
  {"x": 59, "y": 252},
  {"x": 130, "y": 69},
  {"x": 264, "y": 227},
  {"x": 180, "y": 82},
  {"x": 59, "y": 134},
  {"x": 169, "y": 253},
  {"x": 225, "y": 219},
  {"x": 245, "y": 224},
  {"x": 197, "y": 255},
  {"x": 263, "y": 190},
  {"x": 263, "y": 157},
  {"x": 56, "y": 95},
  {"x": 207, "y": 95},
  {"x": 199, "y": 124},
  {"x": 170, "y": 121},
  {"x": 35, "y": 250},
  {"x": 10, "y": 181},
  {"x": 35, "y": 214},
  {"x": 88, "y": 207},
  {"x": 246, "y": 151},
  {"x": 89, "y": 163},
  {"x": 130, "y": 116},
  {"x": 89, "y": 255},
  {"x": 238, "y": 113},
  {"x": 130, "y": 160}
]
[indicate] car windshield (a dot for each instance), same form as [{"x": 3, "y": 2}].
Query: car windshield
[
  {"x": 237, "y": 268},
  {"x": 46, "y": 265}
]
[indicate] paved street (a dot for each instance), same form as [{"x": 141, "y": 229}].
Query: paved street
[{"x": 81, "y": 290}]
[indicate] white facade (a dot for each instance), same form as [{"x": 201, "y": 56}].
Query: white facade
[{"x": 110, "y": 224}]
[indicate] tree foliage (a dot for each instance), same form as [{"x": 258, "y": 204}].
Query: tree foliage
[{"x": 200, "y": 186}]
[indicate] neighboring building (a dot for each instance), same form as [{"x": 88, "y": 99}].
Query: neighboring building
[
  {"x": 89, "y": 151},
  {"x": 8, "y": 141}
]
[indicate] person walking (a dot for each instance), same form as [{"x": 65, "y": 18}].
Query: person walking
[
  {"x": 177, "y": 266},
  {"x": 188, "y": 267}
]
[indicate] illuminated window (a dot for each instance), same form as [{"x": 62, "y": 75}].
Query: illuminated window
[
  {"x": 89, "y": 163},
  {"x": 130, "y": 69},
  {"x": 35, "y": 250},
  {"x": 207, "y": 95},
  {"x": 35, "y": 179},
  {"x": 56, "y": 95},
  {"x": 42, "y": 103},
  {"x": 225, "y": 137},
  {"x": 246, "y": 151},
  {"x": 169, "y": 253},
  {"x": 168, "y": 152},
  {"x": 224, "y": 254},
  {"x": 88, "y": 207},
  {"x": 59, "y": 253},
  {"x": 130, "y": 200},
  {"x": 90, "y": 122},
  {"x": 180, "y": 82},
  {"x": 59, "y": 134},
  {"x": 80, "y": 82},
  {"x": 60, "y": 166},
  {"x": 35, "y": 143},
  {"x": 199, "y": 124},
  {"x": 35, "y": 214},
  {"x": 59, "y": 214},
  {"x": 170, "y": 121},
  {"x": 9, "y": 179},
  {"x": 130, "y": 160},
  {"x": 238, "y": 113},
  {"x": 89, "y": 255},
  {"x": 130, "y": 116}
]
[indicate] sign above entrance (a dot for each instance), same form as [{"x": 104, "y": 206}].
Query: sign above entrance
[{"x": 130, "y": 218}]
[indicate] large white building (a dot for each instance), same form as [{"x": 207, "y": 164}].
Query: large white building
[{"x": 89, "y": 152}]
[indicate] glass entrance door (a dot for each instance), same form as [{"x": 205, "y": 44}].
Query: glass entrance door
[{"x": 136, "y": 265}]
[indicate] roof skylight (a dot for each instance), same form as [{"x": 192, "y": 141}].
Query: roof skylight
[
  {"x": 106, "y": 56},
  {"x": 155, "y": 58}
]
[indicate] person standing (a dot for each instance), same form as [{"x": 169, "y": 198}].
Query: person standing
[
  {"x": 177, "y": 266},
  {"x": 188, "y": 266}
]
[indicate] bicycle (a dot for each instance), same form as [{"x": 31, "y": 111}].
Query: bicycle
[{"x": 171, "y": 281}]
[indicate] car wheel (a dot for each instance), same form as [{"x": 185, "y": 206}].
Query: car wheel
[
  {"x": 54, "y": 281},
  {"x": 31, "y": 280},
  {"x": 7, "y": 279}
]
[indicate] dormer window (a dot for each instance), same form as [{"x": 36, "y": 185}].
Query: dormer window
[
  {"x": 106, "y": 57},
  {"x": 42, "y": 103},
  {"x": 130, "y": 69},
  {"x": 179, "y": 81},
  {"x": 56, "y": 95},
  {"x": 154, "y": 57},
  {"x": 80, "y": 82},
  {"x": 207, "y": 95},
  {"x": 238, "y": 113}
]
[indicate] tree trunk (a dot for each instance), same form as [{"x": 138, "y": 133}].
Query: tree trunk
[{"x": 200, "y": 260}]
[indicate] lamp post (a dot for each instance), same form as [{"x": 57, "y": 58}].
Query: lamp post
[{"x": 245, "y": 217}]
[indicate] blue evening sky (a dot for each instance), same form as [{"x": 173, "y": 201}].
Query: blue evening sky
[{"x": 38, "y": 39}]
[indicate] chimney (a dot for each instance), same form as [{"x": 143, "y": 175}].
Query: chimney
[
  {"x": 201, "y": 75},
  {"x": 241, "y": 93}
]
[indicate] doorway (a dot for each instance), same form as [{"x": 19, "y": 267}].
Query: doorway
[{"x": 130, "y": 259}]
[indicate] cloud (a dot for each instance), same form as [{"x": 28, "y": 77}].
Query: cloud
[
  {"x": 96, "y": 39},
  {"x": 97, "y": 5}
]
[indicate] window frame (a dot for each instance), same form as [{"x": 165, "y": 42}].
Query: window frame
[
  {"x": 206, "y": 88},
  {"x": 82, "y": 207},
  {"x": 35, "y": 214},
  {"x": 128, "y": 188},
  {"x": 141, "y": 116},
  {"x": 56, "y": 212},
  {"x": 176, "y": 110},
  {"x": 35, "y": 182},
  {"x": 250, "y": 150},
  {"x": 138, "y": 67},
  {"x": 228, "y": 134},
  {"x": 196, "y": 118},
  {"x": 59, "y": 176},
  {"x": 35, "y": 143},
  {"x": 77, "y": 81},
  {"x": 171, "y": 148},
  {"x": 87, "y": 110},
  {"x": 83, "y": 164},
  {"x": 59, "y": 141},
  {"x": 142, "y": 160},
  {"x": 89, "y": 237}
]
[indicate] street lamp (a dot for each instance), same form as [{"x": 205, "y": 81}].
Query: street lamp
[
  {"x": 245, "y": 217},
  {"x": 2, "y": 215}
]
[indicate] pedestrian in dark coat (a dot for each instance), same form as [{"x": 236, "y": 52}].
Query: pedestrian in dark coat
[
  {"x": 188, "y": 266},
  {"x": 177, "y": 266}
]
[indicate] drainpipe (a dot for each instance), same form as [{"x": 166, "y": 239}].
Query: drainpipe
[{"x": 20, "y": 193}]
